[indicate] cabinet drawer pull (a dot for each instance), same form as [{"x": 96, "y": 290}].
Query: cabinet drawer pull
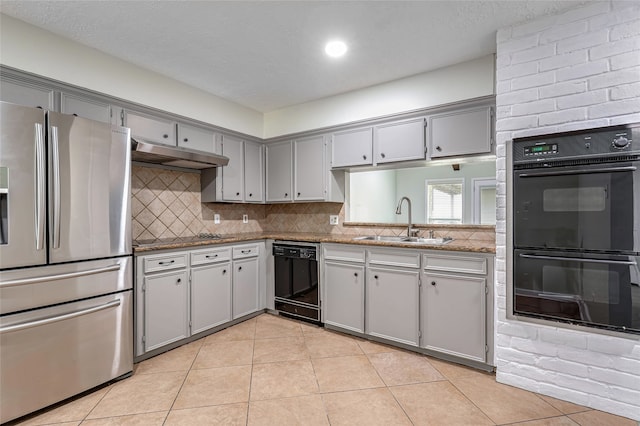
[
  {"x": 211, "y": 257},
  {"x": 166, "y": 263},
  {"x": 245, "y": 251}
]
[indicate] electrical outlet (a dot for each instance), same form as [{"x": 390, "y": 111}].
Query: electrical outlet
[
  {"x": 333, "y": 219},
  {"x": 216, "y": 218},
  {"x": 245, "y": 218}
]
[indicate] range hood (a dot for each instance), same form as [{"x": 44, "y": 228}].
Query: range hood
[{"x": 166, "y": 155}]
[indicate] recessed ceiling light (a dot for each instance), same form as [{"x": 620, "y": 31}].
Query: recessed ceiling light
[{"x": 335, "y": 48}]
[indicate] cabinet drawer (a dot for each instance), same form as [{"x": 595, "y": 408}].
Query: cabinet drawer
[
  {"x": 248, "y": 250},
  {"x": 201, "y": 257},
  {"x": 344, "y": 252},
  {"x": 165, "y": 262},
  {"x": 469, "y": 265},
  {"x": 395, "y": 257}
]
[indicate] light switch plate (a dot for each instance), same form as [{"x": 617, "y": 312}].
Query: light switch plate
[
  {"x": 216, "y": 218},
  {"x": 333, "y": 219},
  {"x": 245, "y": 218}
]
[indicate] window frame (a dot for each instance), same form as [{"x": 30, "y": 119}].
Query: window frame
[{"x": 477, "y": 185}]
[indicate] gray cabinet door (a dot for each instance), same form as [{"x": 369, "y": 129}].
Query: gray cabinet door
[
  {"x": 352, "y": 148},
  {"x": 343, "y": 304},
  {"x": 166, "y": 301},
  {"x": 279, "y": 158},
  {"x": 460, "y": 132},
  {"x": 86, "y": 108},
  {"x": 151, "y": 129},
  {"x": 210, "y": 296},
  {"x": 400, "y": 141},
  {"x": 233, "y": 173},
  {"x": 453, "y": 317},
  {"x": 309, "y": 169},
  {"x": 196, "y": 138},
  {"x": 27, "y": 95},
  {"x": 246, "y": 287},
  {"x": 253, "y": 172},
  {"x": 392, "y": 303}
]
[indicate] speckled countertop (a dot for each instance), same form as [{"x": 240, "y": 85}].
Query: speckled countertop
[{"x": 476, "y": 246}]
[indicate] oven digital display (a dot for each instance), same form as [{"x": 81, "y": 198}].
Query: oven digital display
[{"x": 541, "y": 149}]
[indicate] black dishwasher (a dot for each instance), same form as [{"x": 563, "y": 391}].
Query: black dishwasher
[{"x": 296, "y": 280}]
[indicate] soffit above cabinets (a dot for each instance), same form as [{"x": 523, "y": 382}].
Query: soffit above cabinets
[{"x": 269, "y": 55}]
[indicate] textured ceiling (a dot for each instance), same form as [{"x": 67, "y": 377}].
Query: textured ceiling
[{"x": 267, "y": 55}]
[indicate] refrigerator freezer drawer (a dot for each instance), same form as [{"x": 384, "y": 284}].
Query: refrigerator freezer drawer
[
  {"x": 48, "y": 355},
  {"x": 47, "y": 285}
]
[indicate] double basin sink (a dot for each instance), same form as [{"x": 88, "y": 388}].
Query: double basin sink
[{"x": 401, "y": 239}]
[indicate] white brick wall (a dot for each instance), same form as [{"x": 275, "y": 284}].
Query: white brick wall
[{"x": 572, "y": 71}]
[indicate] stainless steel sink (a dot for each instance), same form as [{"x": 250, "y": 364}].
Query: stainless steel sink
[{"x": 401, "y": 239}]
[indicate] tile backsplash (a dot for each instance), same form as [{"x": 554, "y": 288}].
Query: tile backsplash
[{"x": 166, "y": 203}]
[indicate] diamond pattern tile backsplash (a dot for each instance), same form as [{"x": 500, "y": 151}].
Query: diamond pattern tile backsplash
[{"x": 166, "y": 203}]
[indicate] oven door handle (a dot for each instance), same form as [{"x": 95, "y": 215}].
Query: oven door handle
[
  {"x": 573, "y": 259},
  {"x": 580, "y": 172}
]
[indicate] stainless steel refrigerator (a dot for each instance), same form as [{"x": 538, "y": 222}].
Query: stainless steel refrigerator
[{"x": 65, "y": 257}]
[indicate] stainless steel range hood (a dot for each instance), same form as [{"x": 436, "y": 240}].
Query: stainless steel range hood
[{"x": 165, "y": 155}]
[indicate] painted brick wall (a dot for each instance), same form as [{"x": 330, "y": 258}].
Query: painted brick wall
[{"x": 576, "y": 70}]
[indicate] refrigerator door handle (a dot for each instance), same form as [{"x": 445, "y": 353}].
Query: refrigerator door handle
[
  {"x": 55, "y": 156},
  {"x": 40, "y": 186},
  {"x": 46, "y": 278},
  {"x": 45, "y": 321}
]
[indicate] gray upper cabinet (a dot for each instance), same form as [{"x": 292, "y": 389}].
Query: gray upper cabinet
[
  {"x": 232, "y": 173},
  {"x": 85, "y": 107},
  {"x": 309, "y": 169},
  {"x": 279, "y": 162},
  {"x": 461, "y": 132},
  {"x": 196, "y": 138},
  {"x": 400, "y": 141},
  {"x": 352, "y": 148},
  {"x": 151, "y": 129},
  {"x": 27, "y": 94},
  {"x": 253, "y": 172}
]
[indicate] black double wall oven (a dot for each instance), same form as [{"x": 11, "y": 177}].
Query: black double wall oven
[{"x": 576, "y": 227}]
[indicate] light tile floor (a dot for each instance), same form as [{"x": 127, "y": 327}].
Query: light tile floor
[{"x": 271, "y": 370}]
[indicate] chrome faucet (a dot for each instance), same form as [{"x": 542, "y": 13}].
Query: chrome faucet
[{"x": 399, "y": 211}]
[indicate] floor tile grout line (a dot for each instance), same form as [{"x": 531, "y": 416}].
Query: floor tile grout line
[
  {"x": 184, "y": 380},
  {"x": 473, "y": 403},
  {"x": 253, "y": 350}
]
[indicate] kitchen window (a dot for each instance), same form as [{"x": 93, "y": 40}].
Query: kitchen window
[{"x": 444, "y": 200}]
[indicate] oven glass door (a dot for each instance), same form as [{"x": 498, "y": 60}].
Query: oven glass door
[
  {"x": 593, "y": 207},
  {"x": 600, "y": 290}
]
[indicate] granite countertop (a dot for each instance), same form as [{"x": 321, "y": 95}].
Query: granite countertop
[{"x": 475, "y": 246}]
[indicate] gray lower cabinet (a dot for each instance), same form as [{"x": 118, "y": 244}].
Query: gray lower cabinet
[
  {"x": 166, "y": 314},
  {"x": 455, "y": 297},
  {"x": 392, "y": 303},
  {"x": 344, "y": 295},
  {"x": 246, "y": 291},
  {"x": 210, "y": 296},
  {"x": 454, "y": 315}
]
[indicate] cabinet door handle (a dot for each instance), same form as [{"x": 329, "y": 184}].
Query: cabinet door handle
[
  {"x": 239, "y": 268},
  {"x": 375, "y": 276},
  {"x": 237, "y": 193},
  {"x": 166, "y": 263},
  {"x": 250, "y": 195},
  {"x": 286, "y": 194},
  {"x": 438, "y": 148},
  {"x": 186, "y": 139},
  {"x": 224, "y": 271},
  {"x": 382, "y": 154},
  {"x": 433, "y": 283},
  {"x": 165, "y": 136},
  {"x": 355, "y": 274},
  {"x": 364, "y": 157},
  {"x": 179, "y": 280},
  {"x": 298, "y": 194}
]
